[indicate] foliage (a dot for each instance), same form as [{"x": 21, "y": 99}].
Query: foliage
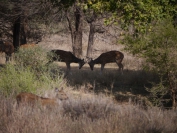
[
  {"x": 32, "y": 14},
  {"x": 63, "y": 3},
  {"x": 29, "y": 73},
  {"x": 34, "y": 57},
  {"x": 159, "y": 49},
  {"x": 14, "y": 80},
  {"x": 139, "y": 13}
]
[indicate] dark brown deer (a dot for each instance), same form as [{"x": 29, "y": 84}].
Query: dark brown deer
[
  {"x": 67, "y": 57},
  {"x": 108, "y": 57},
  {"x": 32, "y": 99},
  {"x": 7, "y": 48}
]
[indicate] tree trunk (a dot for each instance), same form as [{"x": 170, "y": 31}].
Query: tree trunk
[
  {"x": 94, "y": 28},
  {"x": 77, "y": 46},
  {"x": 76, "y": 31},
  {"x": 173, "y": 100},
  {"x": 90, "y": 40},
  {"x": 70, "y": 28},
  {"x": 16, "y": 33},
  {"x": 23, "y": 32}
]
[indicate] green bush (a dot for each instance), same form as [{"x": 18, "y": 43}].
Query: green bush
[
  {"x": 14, "y": 80},
  {"x": 159, "y": 49},
  {"x": 34, "y": 57},
  {"x": 29, "y": 73}
]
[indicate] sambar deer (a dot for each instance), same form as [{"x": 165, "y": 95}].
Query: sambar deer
[
  {"x": 108, "y": 57},
  {"x": 32, "y": 99},
  {"x": 7, "y": 48},
  {"x": 67, "y": 57}
]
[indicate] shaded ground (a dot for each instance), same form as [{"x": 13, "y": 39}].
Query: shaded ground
[
  {"x": 131, "y": 84},
  {"x": 111, "y": 78}
]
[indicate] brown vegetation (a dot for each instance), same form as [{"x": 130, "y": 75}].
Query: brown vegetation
[
  {"x": 29, "y": 98},
  {"x": 7, "y": 48},
  {"x": 90, "y": 114}
]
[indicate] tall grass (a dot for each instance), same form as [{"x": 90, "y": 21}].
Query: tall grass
[{"x": 88, "y": 114}]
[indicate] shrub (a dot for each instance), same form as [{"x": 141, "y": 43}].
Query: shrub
[
  {"x": 14, "y": 80},
  {"x": 34, "y": 57},
  {"x": 159, "y": 49},
  {"x": 29, "y": 73}
]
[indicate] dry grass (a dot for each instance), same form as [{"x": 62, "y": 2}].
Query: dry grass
[
  {"x": 2, "y": 58},
  {"x": 85, "y": 113}
]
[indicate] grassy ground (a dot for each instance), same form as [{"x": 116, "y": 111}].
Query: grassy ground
[
  {"x": 85, "y": 113},
  {"x": 98, "y": 103},
  {"x": 123, "y": 88}
]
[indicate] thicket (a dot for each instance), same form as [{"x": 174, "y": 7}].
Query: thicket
[
  {"x": 29, "y": 72},
  {"x": 159, "y": 48}
]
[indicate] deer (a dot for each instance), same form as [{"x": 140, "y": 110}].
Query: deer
[
  {"x": 32, "y": 99},
  {"x": 24, "y": 46},
  {"x": 7, "y": 48},
  {"x": 108, "y": 57},
  {"x": 67, "y": 57}
]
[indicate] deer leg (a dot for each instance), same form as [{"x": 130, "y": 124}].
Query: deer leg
[
  {"x": 68, "y": 67},
  {"x": 102, "y": 67},
  {"x": 7, "y": 58},
  {"x": 120, "y": 66}
]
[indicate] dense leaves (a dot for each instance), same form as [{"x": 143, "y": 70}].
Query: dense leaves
[
  {"x": 159, "y": 49},
  {"x": 137, "y": 12}
]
